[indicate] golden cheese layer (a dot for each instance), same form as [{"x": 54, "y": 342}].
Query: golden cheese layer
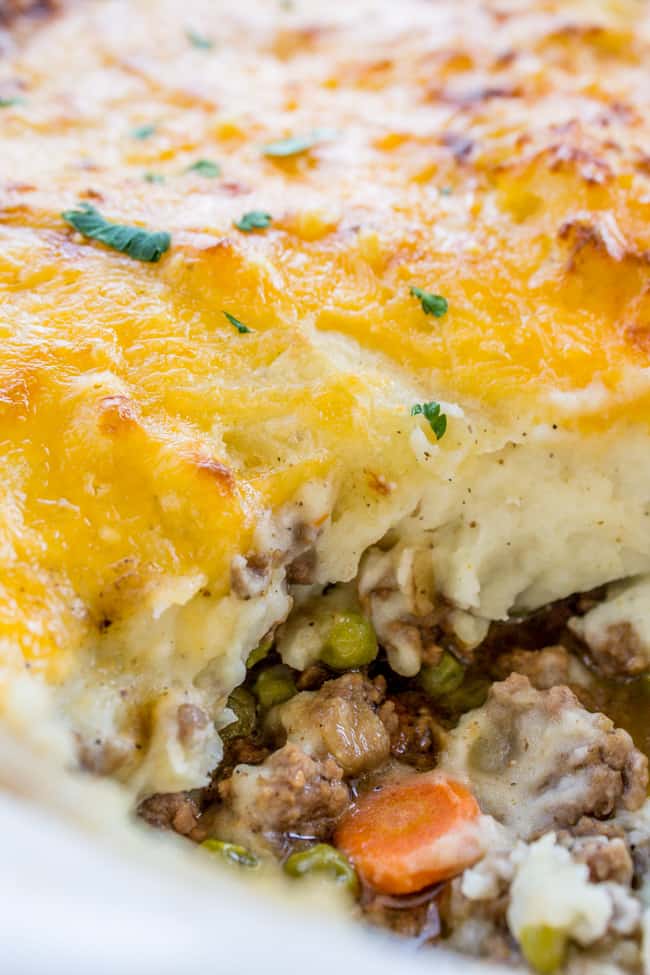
[{"x": 495, "y": 153}]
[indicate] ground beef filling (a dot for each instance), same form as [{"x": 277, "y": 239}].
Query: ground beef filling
[{"x": 527, "y": 725}]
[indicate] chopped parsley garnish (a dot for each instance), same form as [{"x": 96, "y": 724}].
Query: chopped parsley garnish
[
  {"x": 205, "y": 167},
  {"x": 140, "y": 244},
  {"x": 9, "y": 102},
  {"x": 296, "y": 144},
  {"x": 431, "y": 304},
  {"x": 199, "y": 40},
  {"x": 150, "y": 177},
  {"x": 241, "y": 328},
  {"x": 253, "y": 220},
  {"x": 431, "y": 412},
  {"x": 143, "y": 132}
]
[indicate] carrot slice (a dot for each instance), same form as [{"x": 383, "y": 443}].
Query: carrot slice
[{"x": 411, "y": 834}]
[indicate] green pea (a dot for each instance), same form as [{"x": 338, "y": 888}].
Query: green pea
[
  {"x": 242, "y": 703},
  {"x": 442, "y": 678},
  {"x": 470, "y": 695},
  {"x": 543, "y": 947},
  {"x": 259, "y": 653},
  {"x": 323, "y": 859},
  {"x": 231, "y": 852},
  {"x": 350, "y": 642},
  {"x": 275, "y": 685}
]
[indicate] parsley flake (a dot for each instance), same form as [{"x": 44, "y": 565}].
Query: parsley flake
[
  {"x": 136, "y": 242},
  {"x": 431, "y": 304},
  {"x": 205, "y": 167},
  {"x": 253, "y": 220},
  {"x": 10, "y": 102},
  {"x": 143, "y": 132},
  {"x": 241, "y": 328},
  {"x": 296, "y": 144},
  {"x": 150, "y": 177},
  {"x": 431, "y": 412},
  {"x": 199, "y": 40}
]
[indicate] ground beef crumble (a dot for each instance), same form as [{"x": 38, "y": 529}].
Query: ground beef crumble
[
  {"x": 416, "y": 735},
  {"x": 178, "y": 811},
  {"x": 544, "y": 668},
  {"x": 339, "y": 720},
  {"x": 618, "y": 652},
  {"x": 607, "y": 859},
  {"x": 538, "y": 759},
  {"x": 288, "y": 793}
]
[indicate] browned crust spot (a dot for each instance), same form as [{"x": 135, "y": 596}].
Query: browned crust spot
[
  {"x": 117, "y": 413},
  {"x": 600, "y": 235},
  {"x": 212, "y": 468},
  {"x": 637, "y": 328}
]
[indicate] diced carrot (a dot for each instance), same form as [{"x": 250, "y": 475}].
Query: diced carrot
[{"x": 412, "y": 833}]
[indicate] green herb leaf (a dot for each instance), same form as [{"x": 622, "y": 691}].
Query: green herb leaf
[
  {"x": 140, "y": 244},
  {"x": 431, "y": 412},
  {"x": 143, "y": 132},
  {"x": 198, "y": 40},
  {"x": 238, "y": 325},
  {"x": 153, "y": 177},
  {"x": 9, "y": 102},
  {"x": 205, "y": 167},
  {"x": 431, "y": 304},
  {"x": 253, "y": 220},
  {"x": 295, "y": 145}
]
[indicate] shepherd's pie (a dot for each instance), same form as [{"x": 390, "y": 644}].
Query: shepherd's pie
[{"x": 325, "y": 443}]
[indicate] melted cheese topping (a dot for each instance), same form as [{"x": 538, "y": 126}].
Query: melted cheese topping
[{"x": 494, "y": 153}]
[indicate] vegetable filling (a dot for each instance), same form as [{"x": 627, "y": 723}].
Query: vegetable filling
[{"x": 427, "y": 798}]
